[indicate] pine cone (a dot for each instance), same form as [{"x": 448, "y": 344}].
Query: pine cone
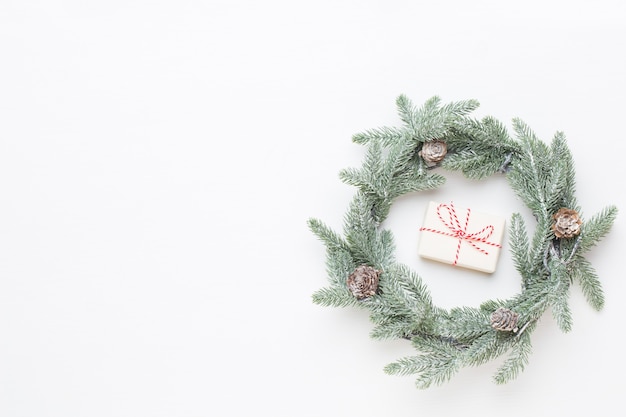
[
  {"x": 433, "y": 152},
  {"x": 566, "y": 223},
  {"x": 504, "y": 319},
  {"x": 363, "y": 282}
]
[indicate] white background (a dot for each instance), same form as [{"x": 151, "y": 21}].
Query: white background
[{"x": 158, "y": 163}]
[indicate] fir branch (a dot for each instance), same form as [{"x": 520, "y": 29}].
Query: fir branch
[
  {"x": 432, "y": 121},
  {"x": 411, "y": 365},
  {"x": 471, "y": 164},
  {"x": 558, "y": 298},
  {"x": 561, "y": 310},
  {"x": 584, "y": 273},
  {"x": 464, "y": 324},
  {"x": 539, "y": 244},
  {"x": 481, "y": 148},
  {"x": 407, "y": 112},
  {"x": 484, "y": 348},
  {"x": 331, "y": 239},
  {"x": 439, "y": 370},
  {"x": 398, "y": 159},
  {"x": 339, "y": 265},
  {"x": 458, "y": 109},
  {"x": 556, "y": 184},
  {"x": 386, "y": 135},
  {"x": 434, "y": 367},
  {"x": 414, "y": 181},
  {"x": 407, "y": 304},
  {"x": 518, "y": 240},
  {"x": 594, "y": 229},
  {"x": 353, "y": 176},
  {"x": 409, "y": 287},
  {"x": 383, "y": 249},
  {"x": 373, "y": 166},
  {"x": 495, "y": 134},
  {"x": 435, "y": 121},
  {"x": 517, "y": 360},
  {"x": 490, "y": 306},
  {"x": 567, "y": 182},
  {"x": 441, "y": 345},
  {"x": 533, "y": 301},
  {"x": 367, "y": 244},
  {"x": 404, "y": 307},
  {"x": 397, "y": 328},
  {"x": 486, "y": 136},
  {"x": 531, "y": 171},
  {"x": 359, "y": 226},
  {"x": 334, "y": 297}
]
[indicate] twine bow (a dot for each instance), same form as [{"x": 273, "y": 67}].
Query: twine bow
[{"x": 460, "y": 232}]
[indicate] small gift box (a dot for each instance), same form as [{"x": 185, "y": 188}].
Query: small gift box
[{"x": 462, "y": 237}]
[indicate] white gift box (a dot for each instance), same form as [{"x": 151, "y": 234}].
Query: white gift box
[{"x": 462, "y": 237}]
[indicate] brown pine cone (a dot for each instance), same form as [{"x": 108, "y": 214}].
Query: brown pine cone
[
  {"x": 566, "y": 223},
  {"x": 433, "y": 152},
  {"x": 504, "y": 319},
  {"x": 363, "y": 282}
]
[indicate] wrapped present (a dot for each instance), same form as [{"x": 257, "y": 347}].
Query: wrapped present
[{"x": 461, "y": 237}]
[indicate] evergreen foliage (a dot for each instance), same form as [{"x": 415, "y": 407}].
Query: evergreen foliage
[{"x": 541, "y": 175}]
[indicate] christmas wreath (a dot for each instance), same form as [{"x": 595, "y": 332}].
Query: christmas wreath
[{"x": 363, "y": 272}]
